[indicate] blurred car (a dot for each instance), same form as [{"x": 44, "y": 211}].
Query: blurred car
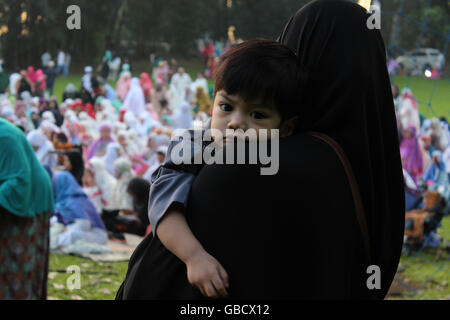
[{"x": 422, "y": 59}]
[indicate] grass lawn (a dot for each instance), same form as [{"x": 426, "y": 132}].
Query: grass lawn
[
  {"x": 426, "y": 275},
  {"x": 192, "y": 67},
  {"x": 99, "y": 280},
  {"x": 422, "y": 89}
]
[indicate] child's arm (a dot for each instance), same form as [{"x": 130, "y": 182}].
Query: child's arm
[
  {"x": 168, "y": 197},
  {"x": 171, "y": 183},
  {"x": 203, "y": 270}
]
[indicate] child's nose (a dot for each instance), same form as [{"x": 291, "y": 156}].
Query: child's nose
[{"x": 237, "y": 121}]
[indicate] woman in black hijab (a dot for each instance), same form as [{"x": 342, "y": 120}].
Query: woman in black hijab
[
  {"x": 295, "y": 235},
  {"x": 351, "y": 101},
  {"x": 73, "y": 162},
  {"x": 139, "y": 190}
]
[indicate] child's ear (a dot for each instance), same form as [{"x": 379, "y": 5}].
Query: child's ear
[{"x": 288, "y": 127}]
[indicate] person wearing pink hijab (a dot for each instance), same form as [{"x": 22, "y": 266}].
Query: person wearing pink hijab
[
  {"x": 411, "y": 154},
  {"x": 146, "y": 85},
  {"x": 31, "y": 77},
  {"x": 123, "y": 85},
  {"x": 409, "y": 111},
  {"x": 40, "y": 81},
  {"x": 31, "y": 74}
]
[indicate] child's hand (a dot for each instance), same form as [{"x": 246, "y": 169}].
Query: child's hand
[{"x": 208, "y": 275}]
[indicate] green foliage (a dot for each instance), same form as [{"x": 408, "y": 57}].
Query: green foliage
[
  {"x": 409, "y": 33},
  {"x": 132, "y": 27},
  {"x": 136, "y": 28},
  {"x": 438, "y": 19},
  {"x": 255, "y": 18},
  {"x": 45, "y": 29}
]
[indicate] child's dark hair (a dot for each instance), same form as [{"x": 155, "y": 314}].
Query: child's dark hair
[{"x": 263, "y": 70}]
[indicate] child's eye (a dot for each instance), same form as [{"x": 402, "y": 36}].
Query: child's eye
[
  {"x": 258, "y": 115},
  {"x": 225, "y": 107}
]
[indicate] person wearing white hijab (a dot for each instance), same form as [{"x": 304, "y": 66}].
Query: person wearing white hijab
[
  {"x": 71, "y": 116},
  {"x": 43, "y": 148},
  {"x": 438, "y": 135},
  {"x": 116, "y": 128},
  {"x": 87, "y": 78},
  {"x": 200, "y": 82},
  {"x": 13, "y": 78},
  {"x": 113, "y": 152},
  {"x": 7, "y": 112},
  {"x": 103, "y": 179},
  {"x": 48, "y": 115},
  {"x": 135, "y": 141},
  {"x": 120, "y": 199},
  {"x": 48, "y": 128},
  {"x": 179, "y": 85},
  {"x": 409, "y": 112},
  {"x": 108, "y": 112},
  {"x": 135, "y": 100},
  {"x": 160, "y": 157},
  {"x": 183, "y": 118},
  {"x": 131, "y": 120},
  {"x": 90, "y": 125},
  {"x": 127, "y": 147},
  {"x": 145, "y": 124},
  {"x": 446, "y": 160}
]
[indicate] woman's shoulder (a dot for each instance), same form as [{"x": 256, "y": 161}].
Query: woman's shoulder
[
  {"x": 307, "y": 149},
  {"x": 310, "y": 160}
]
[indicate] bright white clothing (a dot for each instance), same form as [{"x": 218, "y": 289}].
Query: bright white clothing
[
  {"x": 45, "y": 148},
  {"x": 86, "y": 80},
  {"x": 61, "y": 60},
  {"x": 409, "y": 115},
  {"x": 135, "y": 100},
  {"x": 46, "y": 57},
  {"x": 178, "y": 86},
  {"x": 81, "y": 229},
  {"x": 446, "y": 159},
  {"x": 12, "y": 83},
  {"x": 200, "y": 83},
  {"x": 183, "y": 117},
  {"x": 120, "y": 199},
  {"x": 95, "y": 195},
  {"x": 104, "y": 181}
]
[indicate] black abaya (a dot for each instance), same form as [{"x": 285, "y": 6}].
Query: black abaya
[{"x": 350, "y": 100}]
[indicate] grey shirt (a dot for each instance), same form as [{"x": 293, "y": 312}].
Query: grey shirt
[{"x": 171, "y": 183}]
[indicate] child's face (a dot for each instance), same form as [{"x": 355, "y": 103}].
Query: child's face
[{"x": 232, "y": 112}]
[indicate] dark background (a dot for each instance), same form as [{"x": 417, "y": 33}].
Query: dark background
[{"x": 136, "y": 28}]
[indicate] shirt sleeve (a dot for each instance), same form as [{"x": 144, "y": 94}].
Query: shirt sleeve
[{"x": 171, "y": 182}]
